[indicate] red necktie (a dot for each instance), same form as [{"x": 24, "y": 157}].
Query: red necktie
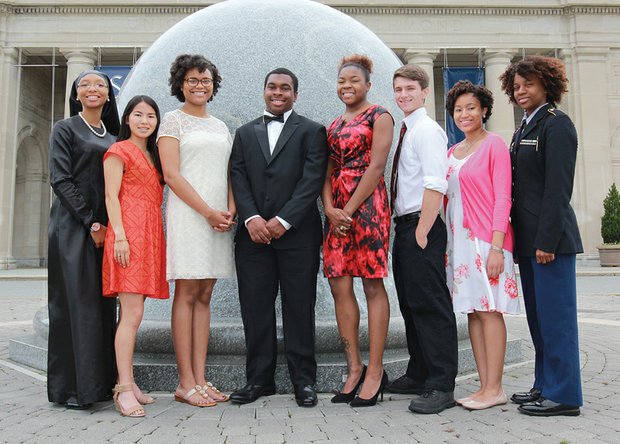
[{"x": 394, "y": 179}]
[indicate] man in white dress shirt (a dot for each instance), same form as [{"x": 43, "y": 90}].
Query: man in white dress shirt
[{"x": 418, "y": 254}]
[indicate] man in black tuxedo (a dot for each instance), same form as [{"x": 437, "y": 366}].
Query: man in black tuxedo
[{"x": 278, "y": 165}]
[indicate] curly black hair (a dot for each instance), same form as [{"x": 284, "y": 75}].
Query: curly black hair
[
  {"x": 484, "y": 96},
  {"x": 550, "y": 71},
  {"x": 184, "y": 63}
]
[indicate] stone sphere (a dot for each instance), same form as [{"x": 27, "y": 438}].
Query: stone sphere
[{"x": 246, "y": 39}]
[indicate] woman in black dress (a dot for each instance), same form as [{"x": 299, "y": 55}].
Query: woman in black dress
[{"x": 80, "y": 368}]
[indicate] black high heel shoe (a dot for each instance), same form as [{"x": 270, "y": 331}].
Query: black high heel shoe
[
  {"x": 343, "y": 398},
  {"x": 361, "y": 402}
]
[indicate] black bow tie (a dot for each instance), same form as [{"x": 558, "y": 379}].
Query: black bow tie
[{"x": 278, "y": 118}]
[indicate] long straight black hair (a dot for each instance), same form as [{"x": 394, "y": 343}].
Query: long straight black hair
[{"x": 151, "y": 142}]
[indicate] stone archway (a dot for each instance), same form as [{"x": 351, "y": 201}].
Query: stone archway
[{"x": 31, "y": 204}]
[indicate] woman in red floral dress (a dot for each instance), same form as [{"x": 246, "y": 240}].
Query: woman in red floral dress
[{"x": 358, "y": 226}]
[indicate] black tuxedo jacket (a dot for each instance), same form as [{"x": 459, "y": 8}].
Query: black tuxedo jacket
[
  {"x": 285, "y": 184},
  {"x": 543, "y": 171}
]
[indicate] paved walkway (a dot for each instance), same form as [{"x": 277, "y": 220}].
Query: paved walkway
[{"x": 26, "y": 416}]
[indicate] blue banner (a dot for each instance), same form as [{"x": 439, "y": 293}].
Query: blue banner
[
  {"x": 450, "y": 76},
  {"x": 117, "y": 75}
]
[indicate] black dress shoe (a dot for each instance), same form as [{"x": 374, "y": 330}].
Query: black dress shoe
[
  {"x": 72, "y": 404},
  {"x": 251, "y": 393},
  {"x": 406, "y": 386},
  {"x": 305, "y": 395},
  {"x": 547, "y": 407},
  {"x": 433, "y": 401},
  {"x": 523, "y": 397}
]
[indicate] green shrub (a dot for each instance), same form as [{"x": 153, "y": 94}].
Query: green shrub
[{"x": 610, "y": 222}]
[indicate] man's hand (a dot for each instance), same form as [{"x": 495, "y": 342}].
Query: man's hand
[
  {"x": 259, "y": 233},
  {"x": 275, "y": 228},
  {"x": 542, "y": 257},
  {"x": 421, "y": 236}
]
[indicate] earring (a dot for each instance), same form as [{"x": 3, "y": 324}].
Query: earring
[{"x": 108, "y": 99}]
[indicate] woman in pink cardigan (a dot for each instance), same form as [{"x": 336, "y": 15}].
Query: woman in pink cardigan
[{"x": 479, "y": 263}]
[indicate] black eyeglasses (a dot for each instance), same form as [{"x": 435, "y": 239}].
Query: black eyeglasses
[{"x": 193, "y": 81}]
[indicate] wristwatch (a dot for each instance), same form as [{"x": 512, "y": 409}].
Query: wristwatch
[{"x": 95, "y": 227}]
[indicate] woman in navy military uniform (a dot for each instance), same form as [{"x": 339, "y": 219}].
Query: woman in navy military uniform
[{"x": 543, "y": 152}]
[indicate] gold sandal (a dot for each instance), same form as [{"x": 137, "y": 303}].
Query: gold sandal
[
  {"x": 144, "y": 399},
  {"x": 209, "y": 386},
  {"x": 135, "y": 411},
  {"x": 186, "y": 398}
]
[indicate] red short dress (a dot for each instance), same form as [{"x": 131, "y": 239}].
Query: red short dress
[
  {"x": 363, "y": 251},
  {"x": 141, "y": 196}
]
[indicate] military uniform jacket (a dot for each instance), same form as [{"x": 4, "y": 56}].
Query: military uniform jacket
[{"x": 543, "y": 158}]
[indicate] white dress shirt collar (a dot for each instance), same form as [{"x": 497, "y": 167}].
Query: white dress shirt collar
[
  {"x": 274, "y": 128},
  {"x": 529, "y": 117}
]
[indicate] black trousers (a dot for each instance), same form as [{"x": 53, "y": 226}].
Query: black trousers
[
  {"x": 261, "y": 269},
  {"x": 426, "y": 306}
]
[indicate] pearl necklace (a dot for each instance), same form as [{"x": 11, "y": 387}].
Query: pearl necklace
[{"x": 90, "y": 127}]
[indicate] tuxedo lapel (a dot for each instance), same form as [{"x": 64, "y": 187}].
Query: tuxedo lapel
[
  {"x": 291, "y": 125},
  {"x": 260, "y": 129}
]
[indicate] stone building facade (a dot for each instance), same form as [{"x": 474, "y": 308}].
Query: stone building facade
[{"x": 44, "y": 44}]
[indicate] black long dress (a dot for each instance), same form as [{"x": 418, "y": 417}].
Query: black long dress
[{"x": 82, "y": 322}]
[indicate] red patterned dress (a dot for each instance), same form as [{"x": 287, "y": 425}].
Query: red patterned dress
[
  {"x": 363, "y": 251},
  {"x": 141, "y": 196}
]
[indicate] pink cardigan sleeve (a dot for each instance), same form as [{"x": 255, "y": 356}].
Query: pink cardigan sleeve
[{"x": 502, "y": 184}]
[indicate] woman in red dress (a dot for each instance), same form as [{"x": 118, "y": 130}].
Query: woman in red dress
[
  {"x": 134, "y": 259},
  {"x": 358, "y": 226}
]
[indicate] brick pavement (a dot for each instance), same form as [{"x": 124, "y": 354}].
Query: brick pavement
[{"x": 26, "y": 416}]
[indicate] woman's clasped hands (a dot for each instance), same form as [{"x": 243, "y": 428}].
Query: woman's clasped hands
[
  {"x": 339, "y": 220},
  {"x": 220, "y": 220}
]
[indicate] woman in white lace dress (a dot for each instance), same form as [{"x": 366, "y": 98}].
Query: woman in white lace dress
[{"x": 195, "y": 148}]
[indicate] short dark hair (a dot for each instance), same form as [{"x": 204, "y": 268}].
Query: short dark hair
[
  {"x": 413, "y": 72},
  {"x": 151, "y": 143},
  {"x": 285, "y": 72},
  {"x": 184, "y": 63},
  {"x": 550, "y": 71},
  {"x": 484, "y": 96}
]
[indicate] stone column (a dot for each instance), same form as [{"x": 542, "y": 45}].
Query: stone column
[
  {"x": 425, "y": 58},
  {"x": 9, "y": 89},
  {"x": 503, "y": 118},
  {"x": 78, "y": 60},
  {"x": 588, "y": 106}
]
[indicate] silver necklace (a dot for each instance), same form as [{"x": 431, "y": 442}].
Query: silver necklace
[
  {"x": 469, "y": 145},
  {"x": 90, "y": 127}
]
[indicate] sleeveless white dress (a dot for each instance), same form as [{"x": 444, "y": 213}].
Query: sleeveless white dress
[
  {"x": 193, "y": 249},
  {"x": 466, "y": 258}
]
